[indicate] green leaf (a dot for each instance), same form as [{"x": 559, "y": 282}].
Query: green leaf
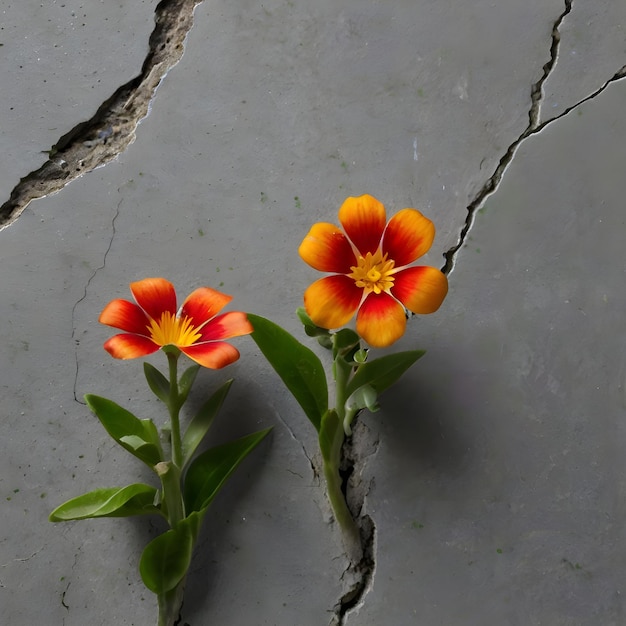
[
  {"x": 381, "y": 373},
  {"x": 345, "y": 338},
  {"x": 139, "y": 437},
  {"x": 208, "y": 472},
  {"x": 364, "y": 397},
  {"x": 309, "y": 327},
  {"x": 165, "y": 560},
  {"x": 360, "y": 356},
  {"x": 298, "y": 367},
  {"x": 186, "y": 382},
  {"x": 200, "y": 424},
  {"x": 157, "y": 382},
  {"x": 135, "y": 499}
]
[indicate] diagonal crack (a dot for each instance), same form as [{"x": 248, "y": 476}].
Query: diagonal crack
[
  {"x": 534, "y": 127},
  {"x": 100, "y": 139}
]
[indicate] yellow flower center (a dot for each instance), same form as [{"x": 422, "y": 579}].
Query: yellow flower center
[
  {"x": 373, "y": 272},
  {"x": 172, "y": 330}
]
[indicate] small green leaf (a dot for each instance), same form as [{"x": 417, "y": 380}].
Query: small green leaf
[
  {"x": 381, "y": 373},
  {"x": 135, "y": 499},
  {"x": 200, "y": 424},
  {"x": 139, "y": 437},
  {"x": 208, "y": 472},
  {"x": 298, "y": 367},
  {"x": 360, "y": 356},
  {"x": 165, "y": 560},
  {"x": 157, "y": 382},
  {"x": 186, "y": 382},
  {"x": 311, "y": 329},
  {"x": 345, "y": 338},
  {"x": 365, "y": 397}
]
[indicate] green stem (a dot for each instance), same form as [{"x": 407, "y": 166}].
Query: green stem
[
  {"x": 332, "y": 461},
  {"x": 170, "y": 604},
  {"x": 172, "y": 495},
  {"x": 342, "y": 371},
  {"x": 174, "y": 408}
]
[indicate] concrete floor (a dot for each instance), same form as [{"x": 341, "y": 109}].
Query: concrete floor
[{"x": 495, "y": 472}]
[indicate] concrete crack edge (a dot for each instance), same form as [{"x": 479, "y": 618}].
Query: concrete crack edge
[
  {"x": 111, "y": 130},
  {"x": 358, "y": 577},
  {"x": 533, "y": 128}
]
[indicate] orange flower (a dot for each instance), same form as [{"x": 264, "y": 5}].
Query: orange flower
[
  {"x": 370, "y": 262},
  {"x": 155, "y": 322}
]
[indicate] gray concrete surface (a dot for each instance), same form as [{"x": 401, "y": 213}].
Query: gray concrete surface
[
  {"x": 60, "y": 60},
  {"x": 494, "y": 473}
]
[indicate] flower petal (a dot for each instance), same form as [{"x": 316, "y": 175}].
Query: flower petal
[
  {"x": 381, "y": 320},
  {"x": 408, "y": 236},
  {"x": 363, "y": 219},
  {"x": 203, "y": 304},
  {"x": 214, "y": 355},
  {"x": 126, "y": 316},
  {"x": 231, "y": 324},
  {"x": 154, "y": 296},
  {"x": 326, "y": 248},
  {"x": 330, "y": 302},
  {"x": 129, "y": 346},
  {"x": 420, "y": 289}
]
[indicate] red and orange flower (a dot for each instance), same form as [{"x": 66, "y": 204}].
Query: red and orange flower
[
  {"x": 155, "y": 321},
  {"x": 370, "y": 262}
]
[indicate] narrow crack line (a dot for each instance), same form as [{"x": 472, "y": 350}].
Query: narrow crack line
[
  {"x": 304, "y": 451},
  {"x": 85, "y": 290},
  {"x": 536, "y": 95},
  {"x": 536, "y": 92},
  {"x": 619, "y": 75},
  {"x": 23, "y": 559},
  {"x": 111, "y": 130}
]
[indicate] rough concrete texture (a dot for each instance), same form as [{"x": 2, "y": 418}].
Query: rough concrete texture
[
  {"x": 61, "y": 60},
  {"x": 494, "y": 472}
]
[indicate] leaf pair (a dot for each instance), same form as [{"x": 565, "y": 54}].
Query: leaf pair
[
  {"x": 139, "y": 437},
  {"x": 166, "y": 559},
  {"x": 303, "y": 373},
  {"x": 161, "y": 388}
]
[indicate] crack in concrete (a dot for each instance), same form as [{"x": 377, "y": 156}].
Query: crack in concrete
[
  {"x": 314, "y": 469},
  {"x": 358, "y": 576},
  {"x": 111, "y": 130},
  {"x": 534, "y": 127},
  {"x": 85, "y": 290}
]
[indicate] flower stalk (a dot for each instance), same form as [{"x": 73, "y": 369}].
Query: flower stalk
[{"x": 174, "y": 406}]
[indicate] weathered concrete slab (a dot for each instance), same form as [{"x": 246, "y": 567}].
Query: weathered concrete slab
[
  {"x": 275, "y": 114},
  {"x": 500, "y": 472},
  {"x": 592, "y": 49},
  {"x": 61, "y": 60}
]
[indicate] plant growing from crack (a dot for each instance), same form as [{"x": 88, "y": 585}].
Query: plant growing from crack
[
  {"x": 370, "y": 262},
  {"x": 188, "y": 481}
]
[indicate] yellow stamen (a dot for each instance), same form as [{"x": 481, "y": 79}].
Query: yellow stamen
[
  {"x": 172, "y": 330},
  {"x": 373, "y": 273}
]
